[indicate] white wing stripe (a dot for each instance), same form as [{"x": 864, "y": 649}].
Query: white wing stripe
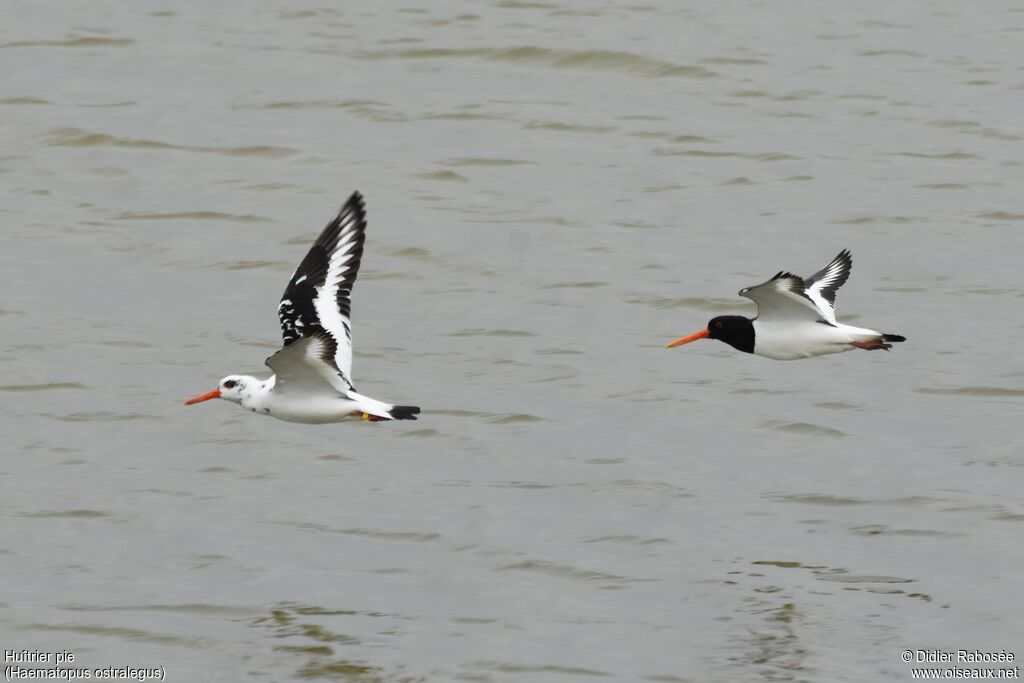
[
  {"x": 334, "y": 295},
  {"x": 823, "y": 285}
]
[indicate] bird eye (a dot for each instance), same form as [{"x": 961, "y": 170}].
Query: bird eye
[
  {"x": 230, "y": 384},
  {"x": 719, "y": 324}
]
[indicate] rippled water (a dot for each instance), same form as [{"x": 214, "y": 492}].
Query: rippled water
[{"x": 555, "y": 191}]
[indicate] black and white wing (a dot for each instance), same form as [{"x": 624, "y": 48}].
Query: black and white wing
[
  {"x": 823, "y": 285},
  {"x": 307, "y": 367},
  {"x": 318, "y": 296},
  {"x": 782, "y": 299}
]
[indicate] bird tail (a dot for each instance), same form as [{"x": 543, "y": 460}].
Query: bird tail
[
  {"x": 404, "y": 412},
  {"x": 893, "y": 337},
  {"x": 375, "y": 411}
]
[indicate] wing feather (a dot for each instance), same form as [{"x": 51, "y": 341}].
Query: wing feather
[
  {"x": 307, "y": 366},
  {"x": 823, "y": 285},
  {"x": 318, "y": 295},
  {"x": 782, "y": 298}
]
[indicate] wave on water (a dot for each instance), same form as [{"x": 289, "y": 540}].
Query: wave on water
[
  {"x": 53, "y": 386},
  {"x": 803, "y": 428},
  {"x": 991, "y": 392},
  {"x": 72, "y": 42},
  {"x": 76, "y": 137},
  {"x": 590, "y": 60}
]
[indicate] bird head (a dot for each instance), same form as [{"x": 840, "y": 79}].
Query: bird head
[{"x": 230, "y": 388}]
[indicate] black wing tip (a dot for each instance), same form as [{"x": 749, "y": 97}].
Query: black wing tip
[
  {"x": 356, "y": 202},
  {"x": 846, "y": 258},
  {"x": 893, "y": 337},
  {"x": 404, "y": 412},
  {"x": 354, "y": 205}
]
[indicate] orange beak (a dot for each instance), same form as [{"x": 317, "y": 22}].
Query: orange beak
[
  {"x": 703, "y": 334},
  {"x": 203, "y": 397}
]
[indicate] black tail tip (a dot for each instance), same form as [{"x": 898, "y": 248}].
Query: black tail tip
[
  {"x": 893, "y": 338},
  {"x": 404, "y": 412}
]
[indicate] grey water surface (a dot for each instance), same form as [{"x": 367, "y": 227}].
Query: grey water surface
[{"x": 555, "y": 190}]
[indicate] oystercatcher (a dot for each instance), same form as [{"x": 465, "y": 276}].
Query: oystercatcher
[
  {"x": 312, "y": 379},
  {"x": 796, "y": 318}
]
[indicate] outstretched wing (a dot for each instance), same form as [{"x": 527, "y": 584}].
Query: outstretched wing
[
  {"x": 823, "y": 285},
  {"x": 318, "y": 296},
  {"x": 306, "y": 366},
  {"x": 782, "y": 299}
]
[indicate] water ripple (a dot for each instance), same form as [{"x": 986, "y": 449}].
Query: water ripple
[
  {"x": 189, "y": 215},
  {"x": 802, "y": 428},
  {"x": 590, "y": 60},
  {"x": 72, "y": 42},
  {"x": 567, "y": 572},
  {"x": 992, "y": 392},
  {"x": 43, "y": 387},
  {"x": 76, "y": 137}
]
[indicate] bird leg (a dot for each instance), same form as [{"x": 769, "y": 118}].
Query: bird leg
[{"x": 871, "y": 345}]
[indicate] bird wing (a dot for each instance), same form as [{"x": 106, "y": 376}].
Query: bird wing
[
  {"x": 823, "y": 285},
  {"x": 318, "y": 296},
  {"x": 782, "y": 298},
  {"x": 307, "y": 366}
]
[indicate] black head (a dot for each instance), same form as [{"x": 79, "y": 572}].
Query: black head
[{"x": 734, "y": 330}]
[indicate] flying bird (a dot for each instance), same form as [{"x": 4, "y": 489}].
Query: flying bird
[
  {"x": 796, "y": 318},
  {"x": 312, "y": 379}
]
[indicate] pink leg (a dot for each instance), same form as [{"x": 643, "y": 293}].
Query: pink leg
[{"x": 871, "y": 345}]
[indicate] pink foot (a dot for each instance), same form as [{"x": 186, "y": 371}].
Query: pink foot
[{"x": 871, "y": 345}]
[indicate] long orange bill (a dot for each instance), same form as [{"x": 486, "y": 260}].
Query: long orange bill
[
  {"x": 703, "y": 334},
  {"x": 203, "y": 397}
]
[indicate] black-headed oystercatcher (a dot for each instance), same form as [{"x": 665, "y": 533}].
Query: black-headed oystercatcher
[{"x": 796, "y": 318}]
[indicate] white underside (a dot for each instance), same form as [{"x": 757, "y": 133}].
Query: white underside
[
  {"x": 791, "y": 340},
  {"x": 316, "y": 407},
  {"x": 315, "y": 410}
]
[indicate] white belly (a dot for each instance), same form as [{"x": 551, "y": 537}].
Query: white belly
[
  {"x": 309, "y": 410},
  {"x": 791, "y": 340}
]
